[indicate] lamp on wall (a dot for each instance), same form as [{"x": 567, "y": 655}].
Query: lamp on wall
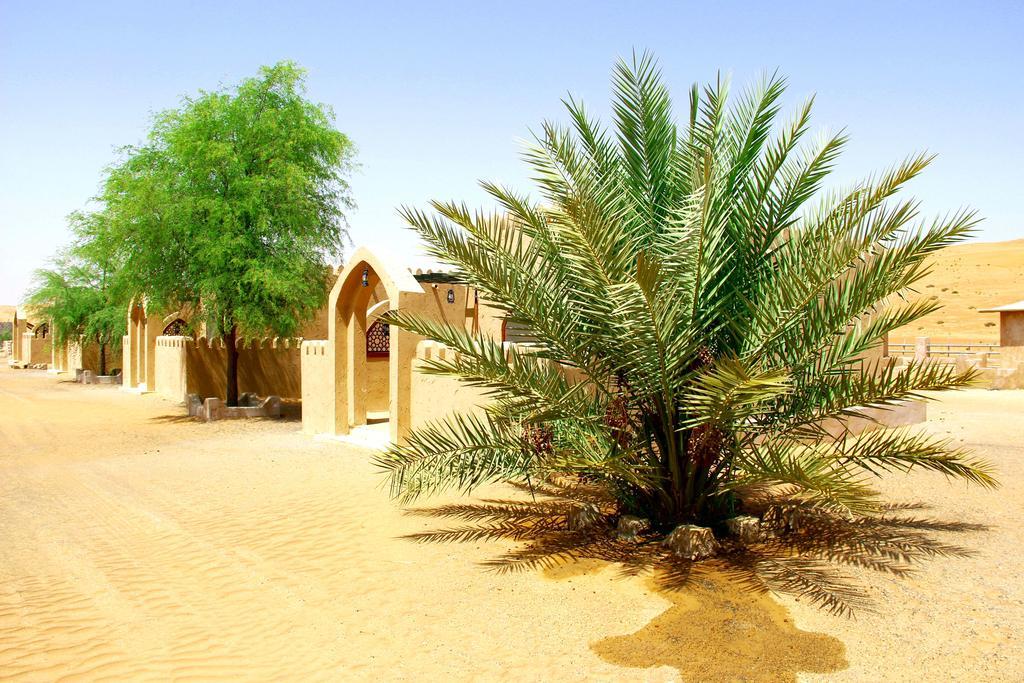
[
  {"x": 451, "y": 296},
  {"x": 366, "y": 277}
]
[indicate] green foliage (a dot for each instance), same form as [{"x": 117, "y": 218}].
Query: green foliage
[
  {"x": 234, "y": 204},
  {"x": 702, "y": 306},
  {"x": 81, "y": 295}
]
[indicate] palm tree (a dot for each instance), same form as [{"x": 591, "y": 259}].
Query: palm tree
[{"x": 702, "y": 309}]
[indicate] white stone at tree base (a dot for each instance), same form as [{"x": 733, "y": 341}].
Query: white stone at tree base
[
  {"x": 692, "y": 542},
  {"x": 583, "y": 517},
  {"x": 629, "y": 527},
  {"x": 745, "y": 528}
]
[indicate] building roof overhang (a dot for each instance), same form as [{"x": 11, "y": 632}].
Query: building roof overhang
[{"x": 1008, "y": 308}]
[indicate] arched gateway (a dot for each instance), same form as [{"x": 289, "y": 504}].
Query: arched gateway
[
  {"x": 363, "y": 371},
  {"x": 139, "y": 347}
]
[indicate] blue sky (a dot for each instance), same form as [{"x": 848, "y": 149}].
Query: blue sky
[{"x": 438, "y": 94}]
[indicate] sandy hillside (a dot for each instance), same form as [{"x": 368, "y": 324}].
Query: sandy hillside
[
  {"x": 6, "y": 314},
  {"x": 140, "y": 545},
  {"x": 965, "y": 278}
]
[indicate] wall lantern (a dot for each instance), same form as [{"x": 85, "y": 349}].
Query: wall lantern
[
  {"x": 451, "y": 296},
  {"x": 366, "y": 277}
]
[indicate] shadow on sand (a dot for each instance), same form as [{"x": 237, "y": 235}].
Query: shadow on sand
[
  {"x": 172, "y": 419},
  {"x": 723, "y": 624},
  {"x": 290, "y": 417}
]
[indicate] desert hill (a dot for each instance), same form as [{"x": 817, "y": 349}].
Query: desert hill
[{"x": 965, "y": 278}]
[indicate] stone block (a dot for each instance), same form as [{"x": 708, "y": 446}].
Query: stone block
[
  {"x": 212, "y": 409},
  {"x": 745, "y": 529},
  {"x": 271, "y": 407},
  {"x": 630, "y": 528},
  {"x": 692, "y": 542},
  {"x": 584, "y": 517}
]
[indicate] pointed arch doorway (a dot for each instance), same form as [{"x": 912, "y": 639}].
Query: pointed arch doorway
[{"x": 372, "y": 361}]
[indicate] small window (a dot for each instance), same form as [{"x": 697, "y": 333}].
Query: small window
[
  {"x": 378, "y": 340},
  {"x": 43, "y": 331},
  {"x": 177, "y": 328},
  {"x": 516, "y": 333}
]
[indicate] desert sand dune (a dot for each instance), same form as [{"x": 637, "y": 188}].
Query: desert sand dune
[
  {"x": 138, "y": 545},
  {"x": 966, "y": 278}
]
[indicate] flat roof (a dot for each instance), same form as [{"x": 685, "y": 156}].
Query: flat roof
[
  {"x": 440, "y": 277},
  {"x": 1019, "y": 306}
]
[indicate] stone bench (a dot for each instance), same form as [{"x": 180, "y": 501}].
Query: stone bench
[{"x": 212, "y": 408}]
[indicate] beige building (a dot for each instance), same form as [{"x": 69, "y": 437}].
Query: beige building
[
  {"x": 365, "y": 370},
  {"x": 138, "y": 348},
  {"x": 32, "y": 345},
  {"x": 1011, "y": 324},
  {"x": 1010, "y": 374},
  {"x": 368, "y": 376},
  {"x": 162, "y": 354},
  {"x": 30, "y": 340},
  {"x": 73, "y": 356}
]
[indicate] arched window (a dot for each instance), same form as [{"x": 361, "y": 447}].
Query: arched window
[
  {"x": 43, "y": 330},
  {"x": 378, "y": 340},
  {"x": 176, "y": 328}
]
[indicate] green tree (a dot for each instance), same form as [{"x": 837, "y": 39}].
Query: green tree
[
  {"x": 80, "y": 295},
  {"x": 702, "y": 307},
  {"x": 232, "y": 207}
]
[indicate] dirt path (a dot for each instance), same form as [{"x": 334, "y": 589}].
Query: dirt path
[{"x": 140, "y": 545}]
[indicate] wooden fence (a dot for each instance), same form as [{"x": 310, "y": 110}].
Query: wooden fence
[{"x": 951, "y": 351}]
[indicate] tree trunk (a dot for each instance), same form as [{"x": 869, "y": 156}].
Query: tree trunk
[
  {"x": 232, "y": 389},
  {"x": 103, "y": 359}
]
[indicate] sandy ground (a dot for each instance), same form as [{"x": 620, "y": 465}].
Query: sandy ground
[{"x": 139, "y": 545}]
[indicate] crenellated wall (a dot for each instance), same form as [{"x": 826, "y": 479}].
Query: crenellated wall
[
  {"x": 34, "y": 350},
  {"x": 74, "y": 356},
  {"x": 268, "y": 367},
  {"x": 89, "y": 358},
  {"x": 171, "y": 369}
]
